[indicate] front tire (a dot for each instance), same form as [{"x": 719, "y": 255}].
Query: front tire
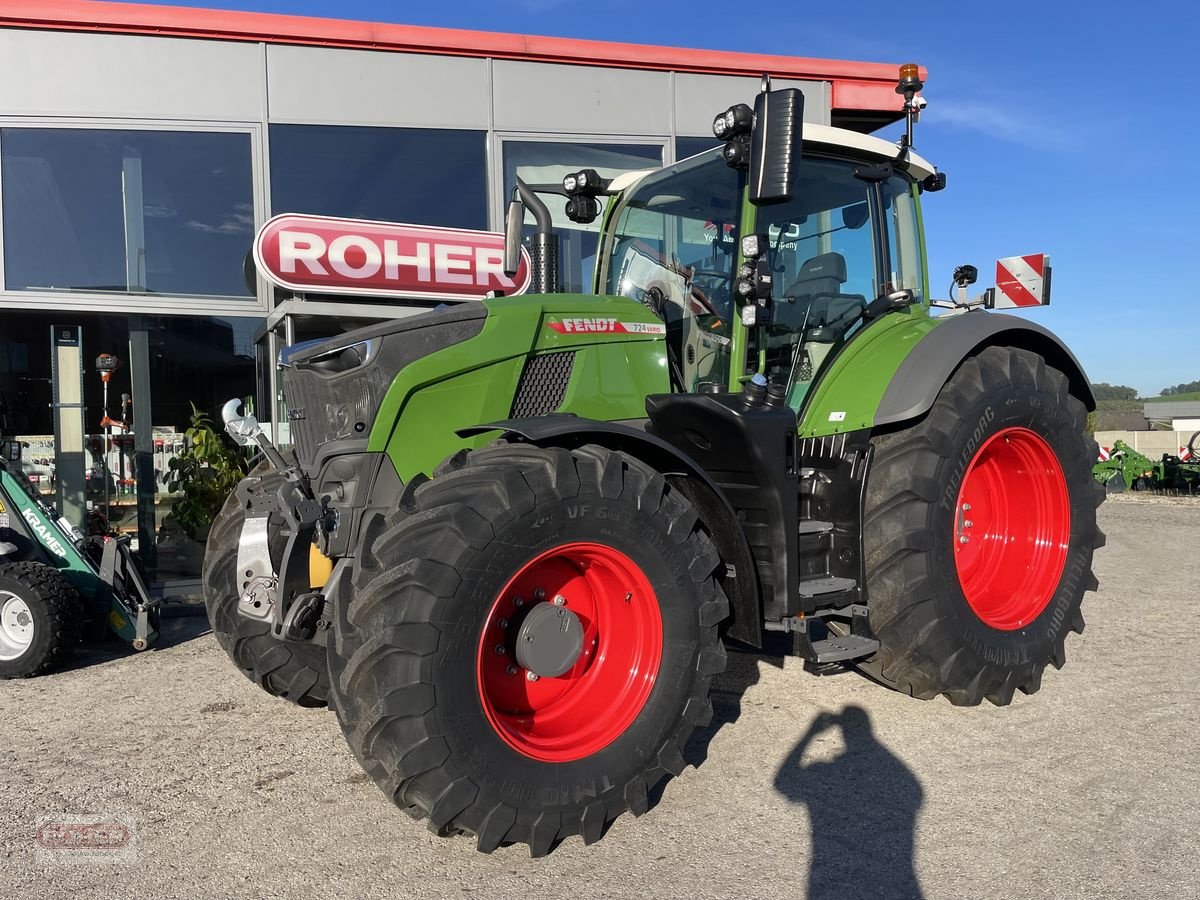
[
  {"x": 40, "y": 616},
  {"x": 292, "y": 671},
  {"x": 979, "y": 532},
  {"x": 435, "y": 700}
]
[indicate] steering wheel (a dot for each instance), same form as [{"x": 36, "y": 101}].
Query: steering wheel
[{"x": 714, "y": 282}]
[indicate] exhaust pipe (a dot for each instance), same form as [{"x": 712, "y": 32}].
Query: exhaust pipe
[{"x": 543, "y": 250}]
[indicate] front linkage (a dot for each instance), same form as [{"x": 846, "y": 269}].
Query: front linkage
[{"x": 280, "y": 596}]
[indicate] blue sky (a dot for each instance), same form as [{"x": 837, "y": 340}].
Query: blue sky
[{"x": 1070, "y": 128}]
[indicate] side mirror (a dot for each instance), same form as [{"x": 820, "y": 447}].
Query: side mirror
[
  {"x": 514, "y": 223},
  {"x": 775, "y": 145}
]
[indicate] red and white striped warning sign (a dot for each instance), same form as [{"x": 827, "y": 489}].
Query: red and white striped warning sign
[
  {"x": 1022, "y": 281},
  {"x": 1184, "y": 454},
  {"x": 1105, "y": 453}
]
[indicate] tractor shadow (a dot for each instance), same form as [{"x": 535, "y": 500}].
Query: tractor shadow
[
  {"x": 173, "y": 631},
  {"x": 862, "y": 806}
]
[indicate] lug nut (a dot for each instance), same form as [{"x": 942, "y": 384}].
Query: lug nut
[
  {"x": 540, "y": 593},
  {"x": 967, "y": 523},
  {"x": 532, "y": 676},
  {"x": 517, "y": 601},
  {"x": 502, "y": 623},
  {"x": 966, "y": 507},
  {"x": 560, "y": 600},
  {"x": 963, "y": 539},
  {"x": 500, "y": 651},
  {"x": 511, "y": 670}
]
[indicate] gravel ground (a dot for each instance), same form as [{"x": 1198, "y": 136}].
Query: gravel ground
[{"x": 825, "y": 786}]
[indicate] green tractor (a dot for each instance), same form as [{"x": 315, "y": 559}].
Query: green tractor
[
  {"x": 58, "y": 586},
  {"x": 510, "y": 538}
]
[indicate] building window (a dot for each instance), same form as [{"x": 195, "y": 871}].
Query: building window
[
  {"x": 427, "y": 176},
  {"x": 142, "y": 212},
  {"x": 690, "y": 146},
  {"x": 546, "y": 162}
]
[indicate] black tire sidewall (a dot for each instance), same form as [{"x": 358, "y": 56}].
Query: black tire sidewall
[
  {"x": 48, "y": 641},
  {"x": 475, "y": 745},
  {"x": 1038, "y": 411}
]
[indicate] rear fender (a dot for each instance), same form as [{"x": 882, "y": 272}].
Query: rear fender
[
  {"x": 682, "y": 473},
  {"x": 917, "y": 381}
]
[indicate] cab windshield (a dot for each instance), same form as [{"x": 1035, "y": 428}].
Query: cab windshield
[
  {"x": 673, "y": 247},
  {"x": 838, "y": 244}
]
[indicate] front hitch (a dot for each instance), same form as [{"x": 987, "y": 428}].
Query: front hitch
[{"x": 283, "y": 598}]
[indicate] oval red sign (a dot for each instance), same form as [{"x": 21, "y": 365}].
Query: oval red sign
[{"x": 384, "y": 259}]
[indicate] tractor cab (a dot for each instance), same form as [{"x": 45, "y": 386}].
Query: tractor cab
[{"x": 846, "y": 237}]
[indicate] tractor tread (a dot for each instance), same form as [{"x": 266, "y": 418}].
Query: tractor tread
[{"x": 389, "y": 635}]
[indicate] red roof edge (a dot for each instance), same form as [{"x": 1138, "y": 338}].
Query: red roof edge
[{"x": 856, "y": 85}]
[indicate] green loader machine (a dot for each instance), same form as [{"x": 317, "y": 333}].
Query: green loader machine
[
  {"x": 508, "y": 539},
  {"x": 58, "y": 586}
]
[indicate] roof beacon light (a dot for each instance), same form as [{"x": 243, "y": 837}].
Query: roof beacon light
[{"x": 910, "y": 80}]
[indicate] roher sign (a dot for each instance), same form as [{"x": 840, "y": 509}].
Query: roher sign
[{"x": 322, "y": 254}]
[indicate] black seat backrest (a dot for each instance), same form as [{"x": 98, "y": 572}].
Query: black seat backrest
[{"x": 815, "y": 297}]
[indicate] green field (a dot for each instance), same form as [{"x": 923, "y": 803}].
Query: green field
[{"x": 1190, "y": 395}]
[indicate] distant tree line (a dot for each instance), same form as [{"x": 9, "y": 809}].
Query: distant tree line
[
  {"x": 1181, "y": 389},
  {"x": 1105, "y": 391}
]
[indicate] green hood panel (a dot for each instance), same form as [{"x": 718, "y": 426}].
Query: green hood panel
[{"x": 620, "y": 357}]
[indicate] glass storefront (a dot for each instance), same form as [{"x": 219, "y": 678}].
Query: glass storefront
[
  {"x": 130, "y": 211},
  {"x": 426, "y": 175},
  {"x": 546, "y": 163},
  {"x": 194, "y": 361}
]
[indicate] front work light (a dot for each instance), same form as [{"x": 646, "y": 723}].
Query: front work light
[
  {"x": 738, "y": 119},
  {"x": 753, "y": 245}
]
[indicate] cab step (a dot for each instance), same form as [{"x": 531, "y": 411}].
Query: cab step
[
  {"x": 815, "y": 526},
  {"x": 818, "y": 585},
  {"x": 839, "y": 649}
]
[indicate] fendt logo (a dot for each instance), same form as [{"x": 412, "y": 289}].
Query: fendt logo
[
  {"x": 320, "y": 254},
  {"x": 605, "y": 326}
]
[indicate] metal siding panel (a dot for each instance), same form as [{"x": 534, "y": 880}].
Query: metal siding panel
[
  {"x": 358, "y": 87},
  {"x": 698, "y": 99},
  {"x": 569, "y": 99},
  {"x": 49, "y": 73}
]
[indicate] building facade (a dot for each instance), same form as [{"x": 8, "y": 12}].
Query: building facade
[{"x": 141, "y": 147}]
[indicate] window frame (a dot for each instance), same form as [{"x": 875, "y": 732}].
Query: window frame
[{"x": 132, "y": 303}]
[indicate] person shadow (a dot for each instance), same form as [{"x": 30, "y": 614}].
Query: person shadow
[{"x": 862, "y": 807}]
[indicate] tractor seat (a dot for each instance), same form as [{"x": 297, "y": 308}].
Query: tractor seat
[{"x": 815, "y": 298}]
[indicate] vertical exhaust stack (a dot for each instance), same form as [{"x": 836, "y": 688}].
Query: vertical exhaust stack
[{"x": 543, "y": 249}]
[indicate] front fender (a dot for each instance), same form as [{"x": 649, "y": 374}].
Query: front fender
[{"x": 682, "y": 471}]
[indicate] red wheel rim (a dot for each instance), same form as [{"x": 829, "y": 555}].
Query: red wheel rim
[
  {"x": 1012, "y": 529},
  {"x": 589, "y": 706}
]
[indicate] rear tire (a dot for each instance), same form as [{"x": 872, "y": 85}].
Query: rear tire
[
  {"x": 982, "y": 617},
  {"x": 423, "y": 646},
  {"x": 40, "y": 616},
  {"x": 293, "y": 671}
]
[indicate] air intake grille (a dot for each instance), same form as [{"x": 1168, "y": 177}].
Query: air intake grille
[{"x": 543, "y": 384}]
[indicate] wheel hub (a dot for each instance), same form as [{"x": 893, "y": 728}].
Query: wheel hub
[
  {"x": 549, "y": 641},
  {"x": 1012, "y": 529},
  {"x": 16, "y": 626},
  {"x": 569, "y": 652}
]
